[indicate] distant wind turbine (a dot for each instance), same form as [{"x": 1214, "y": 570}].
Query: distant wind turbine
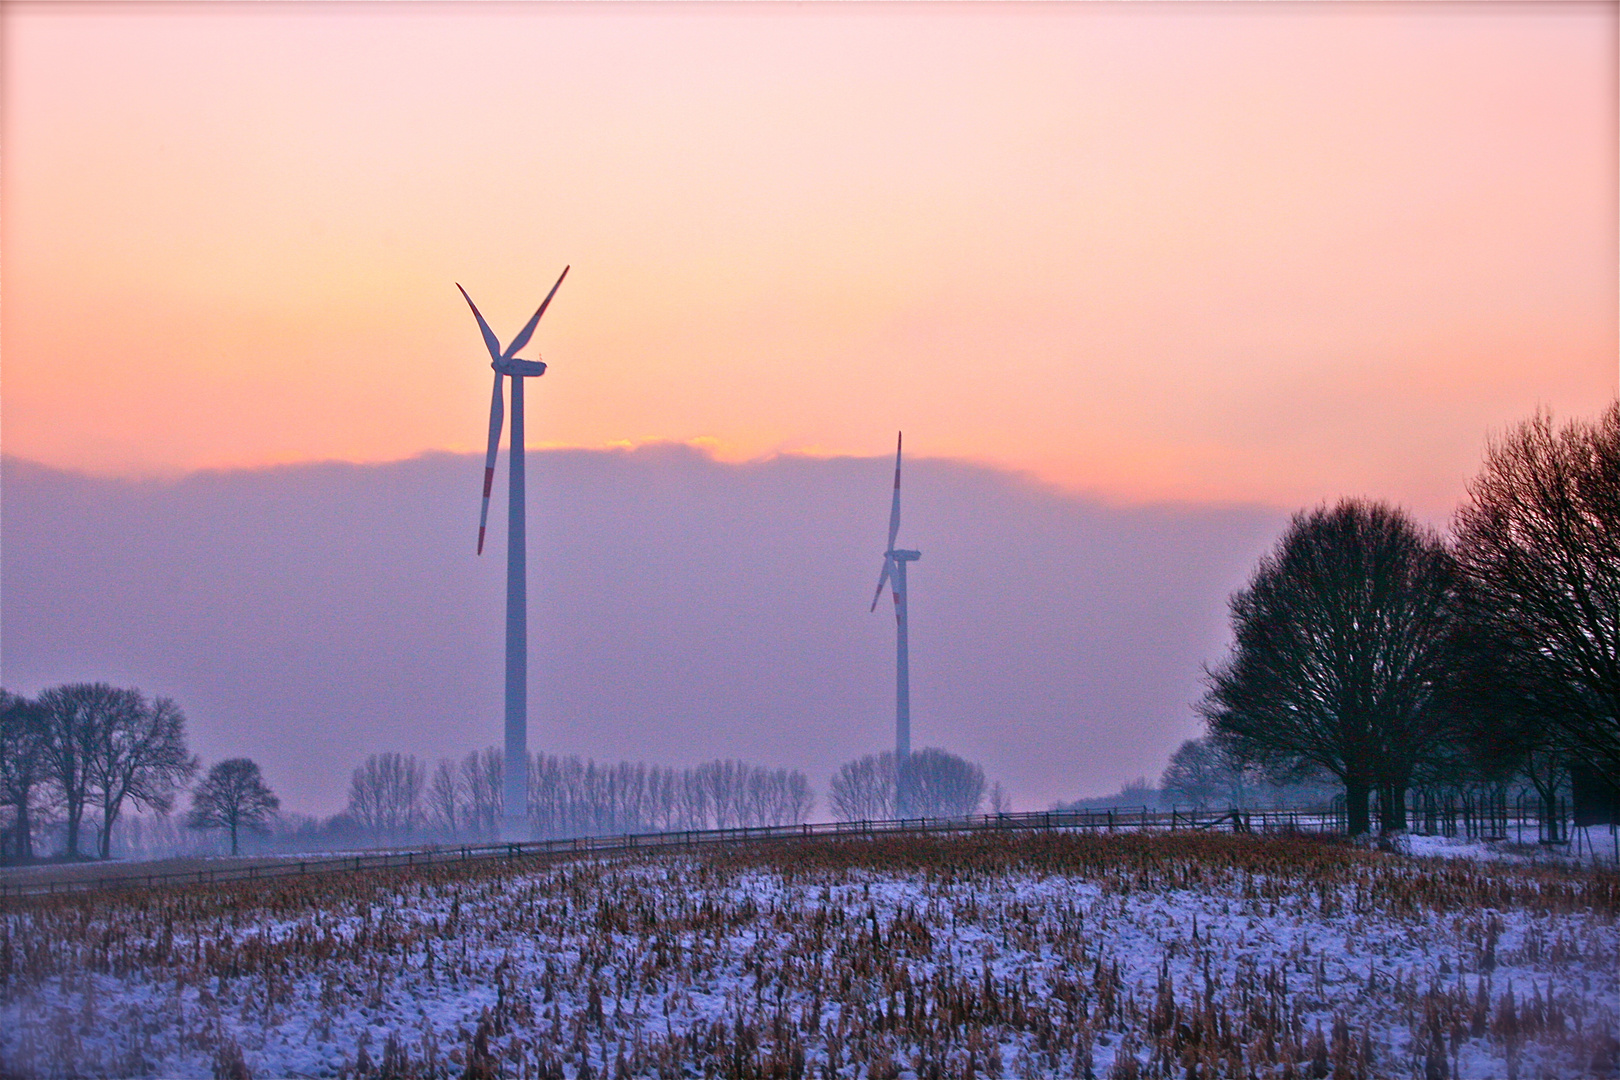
[
  {"x": 514, "y": 796},
  {"x": 894, "y": 575}
]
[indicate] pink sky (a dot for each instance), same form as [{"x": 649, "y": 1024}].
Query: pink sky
[{"x": 1274, "y": 253}]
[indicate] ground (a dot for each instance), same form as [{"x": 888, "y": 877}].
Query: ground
[{"x": 1032, "y": 955}]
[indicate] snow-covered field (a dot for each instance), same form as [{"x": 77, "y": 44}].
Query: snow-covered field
[{"x": 1029, "y": 955}]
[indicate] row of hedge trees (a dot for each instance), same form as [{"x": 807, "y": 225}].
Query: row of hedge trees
[
  {"x": 397, "y": 796},
  {"x": 1372, "y": 649}
]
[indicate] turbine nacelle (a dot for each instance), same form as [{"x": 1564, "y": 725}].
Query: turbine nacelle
[
  {"x": 511, "y": 365},
  {"x": 902, "y": 555}
]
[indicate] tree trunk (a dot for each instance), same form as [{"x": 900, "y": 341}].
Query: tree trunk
[
  {"x": 25, "y": 831},
  {"x": 1549, "y": 812},
  {"x": 1392, "y": 806},
  {"x": 233, "y": 834},
  {"x": 1357, "y": 818},
  {"x": 75, "y": 815},
  {"x": 109, "y": 815},
  {"x": 1546, "y": 794}
]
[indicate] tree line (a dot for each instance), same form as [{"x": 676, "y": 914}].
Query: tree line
[
  {"x": 1372, "y": 650},
  {"x": 81, "y": 754},
  {"x": 395, "y": 796}
]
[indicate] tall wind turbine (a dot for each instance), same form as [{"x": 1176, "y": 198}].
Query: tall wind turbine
[
  {"x": 894, "y": 575},
  {"x": 514, "y": 795}
]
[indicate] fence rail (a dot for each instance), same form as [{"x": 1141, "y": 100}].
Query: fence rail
[{"x": 1103, "y": 820}]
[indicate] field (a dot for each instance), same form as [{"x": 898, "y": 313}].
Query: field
[{"x": 984, "y": 955}]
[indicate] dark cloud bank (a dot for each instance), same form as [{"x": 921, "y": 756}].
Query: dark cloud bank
[{"x": 681, "y": 609}]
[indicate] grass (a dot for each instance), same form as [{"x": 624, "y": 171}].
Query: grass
[{"x": 986, "y": 955}]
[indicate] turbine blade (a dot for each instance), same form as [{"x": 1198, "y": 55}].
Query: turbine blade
[
  {"x": 528, "y": 331},
  {"x": 894, "y": 509},
  {"x": 497, "y": 414},
  {"x": 491, "y": 342},
  {"x": 883, "y": 579}
]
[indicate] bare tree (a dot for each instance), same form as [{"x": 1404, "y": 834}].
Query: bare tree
[
  {"x": 481, "y": 791},
  {"x": 999, "y": 802},
  {"x": 445, "y": 799},
  {"x": 863, "y": 789},
  {"x": 232, "y": 796},
  {"x": 799, "y": 798},
  {"x": 694, "y": 796},
  {"x": 22, "y": 769},
  {"x": 1538, "y": 544},
  {"x": 944, "y": 785},
  {"x": 571, "y": 797},
  {"x": 663, "y": 798},
  {"x": 74, "y": 715},
  {"x": 1202, "y": 772},
  {"x": 1192, "y": 774},
  {"x": 1506, "y": 726},
  {"x": 774, "y": 797},
  {"x": 1341, "y": 647},
  {"x": 138, "y": 756},
  {"x": 385, "y": 794},
  {"x": 723, "y": 784}
]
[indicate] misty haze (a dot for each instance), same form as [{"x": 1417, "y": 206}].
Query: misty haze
[{"x": 682, "y": 609}]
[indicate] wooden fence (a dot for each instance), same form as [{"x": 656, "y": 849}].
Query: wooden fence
[{"x": 1102, "y": 820}]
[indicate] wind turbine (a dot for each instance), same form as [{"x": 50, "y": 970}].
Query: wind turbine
[
  {"x": 514, "y": 796},
  {"x": 894, "y": 575}
]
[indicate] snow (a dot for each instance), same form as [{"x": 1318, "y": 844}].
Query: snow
[
  {"x": 1593, "y": 846},
  {"x": 680, "y": 960}
]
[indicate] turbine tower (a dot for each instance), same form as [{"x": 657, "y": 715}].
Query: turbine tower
[
  {"x": 894, "y": 575},
  {"x": 514, "y": 795}
]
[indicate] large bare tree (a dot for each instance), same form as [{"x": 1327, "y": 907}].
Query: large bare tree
[
  {"x": 1341, "y": 650},
  {"x": 22, "y": 769},
  {"x": 139, "y": 756},
  {"x": 74, "y": 715},
  {"x": 1538, "y": 545},
  {"x": 106, "y": 746}
]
